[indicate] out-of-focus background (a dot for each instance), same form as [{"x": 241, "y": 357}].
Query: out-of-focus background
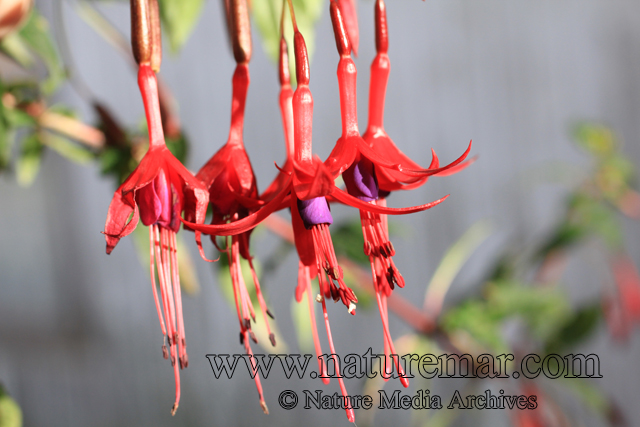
[{"x": 79, "y": 336}]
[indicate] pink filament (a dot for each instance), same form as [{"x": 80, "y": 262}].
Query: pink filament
[{"x": 163, "y": 254}]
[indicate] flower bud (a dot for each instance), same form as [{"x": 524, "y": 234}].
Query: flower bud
[
  {"x": 13, "y": 14},
  {"x": 339, "y": 30},
  {"x": 382, "y": 32},
  {"x": 240, "y": 30},
  {"x": 146, "y": 38},
  {"x": 302, "y": 59}
]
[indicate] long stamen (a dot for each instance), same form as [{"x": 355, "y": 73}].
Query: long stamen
[
  {"x": 240, "y": 296},
  {"x": 163, "y": 286},
  {"x": 263, "y": 304},
  {"x": 388, "y": 342},
  {"x": 167, "y": 301},
  {"x": 234, "y": 284},
  {"x": 184, "y": 359},
  {"x": 169, "y": 285},
  {"x": 343, "y": 389},
  {"x": 303, "y": 274},
  {"x": 256, "y": 378},
  {"x": 155, "y": 291},
  {"x": 176, "y": 374}
]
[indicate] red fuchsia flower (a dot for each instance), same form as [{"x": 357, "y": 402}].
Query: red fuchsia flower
[
  {"x": 233, "y": 192},
  {"x": 305, "y": 189},
  {"x": 359, "y": 164},
  {"x": 233, "y": 195},
  {"x": 157, "y": 192},
  {"x": 628, "y": 284},
  {"x": 351, "y": 148},
  {"x": 532, "y": 417},
  {"x": 376, "y": 136},
  {"x": 623, "y": 309},
  {"x": 304, "y": 274}
]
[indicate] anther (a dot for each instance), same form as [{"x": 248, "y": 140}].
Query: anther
[
  {"x": 272, "y": 338},
  {"x": 165, "y": 352},
  {"x": 352, "y": 308}
]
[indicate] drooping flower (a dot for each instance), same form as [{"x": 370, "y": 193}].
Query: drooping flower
[
  {"x": 376, "y": 137},
  {"x": 304, "y": 188},
  {"x": 233, "y": 192},
  {"x": 362, "y": 162},
  {"x": 156, "y": 193}
]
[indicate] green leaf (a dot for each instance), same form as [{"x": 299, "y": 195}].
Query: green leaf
[
  {"x": 591, "y": 396},
  {"x": 266, "y": 15},
  {"x": 348, "y": 241},
  {"x": 598, "y": 140},
  {"x": 598, "y": 218},
  {"x": 6, "y": 139},
  {"x": 18, "y": 118},
  {"x": 14, "y": 47},
  {"x": 117, "y": 161},
  {"x": 575, "y": 328},
  {"x": 35, "y": 33},
  {"x": 302, "y": 323},
  {"x": 10, "y": 413},
  {"x": 179, "y": 147},
  {"x": 28, "y": 163},
  {"x": 74, "y": 152},
  {"x": 483, "y": 325},
  {"x": 453, "y": 260},
  {"x": 179, "y": 17},
  {"x": 543, "y": 309}
]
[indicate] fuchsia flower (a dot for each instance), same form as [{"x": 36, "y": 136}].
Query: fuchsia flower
[
  {"x": 233, "y": 195},
  {"x": 233, "y": 191},
  {"x": 157, "y": 192},
  {"x": 622, "y": 310},
  {"x": 305, "y": 183},
  {"x": 372, "y": 165},
  {"x": 376, "y": 137}
]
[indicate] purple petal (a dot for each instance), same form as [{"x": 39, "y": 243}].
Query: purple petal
[
  {"x": 361, "y": 181},
  {"x": 314, "y": 211}
]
